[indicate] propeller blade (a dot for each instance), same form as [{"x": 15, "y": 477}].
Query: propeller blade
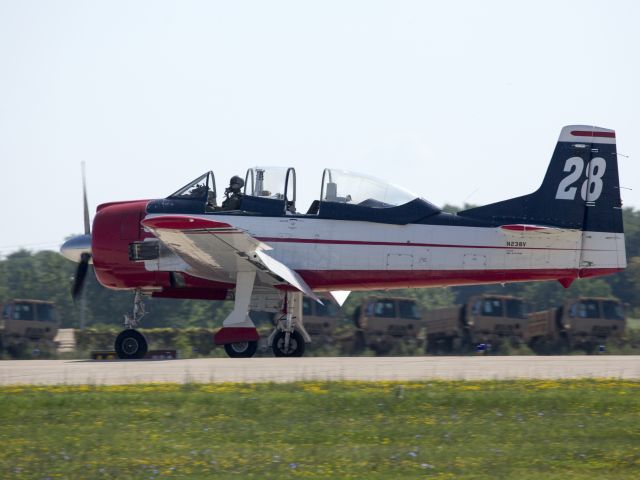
[
  {"x": 81, "y": 275},
  {"x": 87, "y": 223}
]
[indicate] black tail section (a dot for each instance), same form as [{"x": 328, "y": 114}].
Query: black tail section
[{"x": 580, "y": 190}]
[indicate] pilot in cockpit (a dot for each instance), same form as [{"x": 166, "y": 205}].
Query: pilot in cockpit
[{"x": 233, "y": 193}]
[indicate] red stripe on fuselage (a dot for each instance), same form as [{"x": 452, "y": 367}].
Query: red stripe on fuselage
[
  {"x": 523, "y": 228},
  {"x": 380, "y": 279},
  {"x": 402, "y": 244}
]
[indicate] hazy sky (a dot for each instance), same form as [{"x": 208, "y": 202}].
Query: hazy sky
[{"x": 457, "y": 101}]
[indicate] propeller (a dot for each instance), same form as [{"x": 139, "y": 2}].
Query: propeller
[
  {"x": 87, "y": 223},
  {"x": 82, "y": 244},
  {"x": 81, "y": 275}
]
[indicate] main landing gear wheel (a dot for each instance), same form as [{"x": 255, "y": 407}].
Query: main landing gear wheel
[
  {"x": 131, "y": 344},
  {"x": 241, "y": 349},
  {"x": 295, "y": 347}
]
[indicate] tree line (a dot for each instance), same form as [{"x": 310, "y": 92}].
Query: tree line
[{"x": 46, "y": 275}]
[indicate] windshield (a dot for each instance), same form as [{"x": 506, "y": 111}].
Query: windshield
[
  {"x": 357, "y": 189},
  {"x": 612, "y": 310},
  {"x": 491, "y": 307},
  {"x": 45, "y": 312},
  {"x": 586, "y": 309},
  {"x": 516, "y": 308},
  {"x": 326, "y": 310},
  {"x": 202, "y": 188},
  {"x": 382, "y": 308},
  {"x": 408, "y": 309},
  {"x": 23, "y": 311}
]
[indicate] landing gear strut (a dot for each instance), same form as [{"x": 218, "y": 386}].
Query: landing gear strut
[
  {"x": 289, "y": 338},
  {"x": 130, "y": 343},
  {"x": 240, "y": 336},
  {"x": 238, "y": 333}
]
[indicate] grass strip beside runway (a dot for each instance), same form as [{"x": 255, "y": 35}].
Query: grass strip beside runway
[{"x": 437, "y": 429}]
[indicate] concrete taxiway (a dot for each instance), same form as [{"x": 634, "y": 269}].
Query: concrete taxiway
[{"x": 50, "y": 372}]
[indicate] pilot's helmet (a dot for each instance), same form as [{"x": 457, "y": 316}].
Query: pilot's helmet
[{"x": 236, "y": 183}]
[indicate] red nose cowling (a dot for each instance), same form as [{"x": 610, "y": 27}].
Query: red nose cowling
[{"x": 115, "y": 226}]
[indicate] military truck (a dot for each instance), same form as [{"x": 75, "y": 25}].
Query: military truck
[
  {"x": 582, "y": 323},
  {"x": 28, "y": 327},
  {"x": 321, "y": 321},
  {"x": 482, "y": 320},
  {"x": 384, "y": 322}
]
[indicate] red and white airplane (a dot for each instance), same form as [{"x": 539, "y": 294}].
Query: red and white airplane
[{"x": 360, "y": 234}]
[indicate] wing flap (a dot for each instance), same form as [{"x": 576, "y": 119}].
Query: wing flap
[
  {"x": 219, "y": 250},
  {"x": 289, "y": 275}
]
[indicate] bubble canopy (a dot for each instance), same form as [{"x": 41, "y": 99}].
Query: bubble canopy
[
  {"x": 358, "y": 189},
  {"x": 271, "y": 182}
]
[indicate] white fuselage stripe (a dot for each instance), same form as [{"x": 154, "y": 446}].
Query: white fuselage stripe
[{"x": 321, "y": 244}]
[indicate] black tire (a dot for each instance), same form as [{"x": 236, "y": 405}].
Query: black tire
[
  {"x": 241, "y": 349},
  {"x": 447, "y": 345},
  {"x": 383, "y": 346},
  {"x": 296, "y": 345},
  {"x": 359, "y": 341},
  {"x": 130, "y": 344},
  {"x": 431, "y": 345}
]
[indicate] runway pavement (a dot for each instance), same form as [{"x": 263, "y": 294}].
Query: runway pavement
[{"x": 48, "y": 372}]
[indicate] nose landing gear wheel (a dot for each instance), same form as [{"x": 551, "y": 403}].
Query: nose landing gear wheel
[
  {"x": 241, "y": 349},
  {"x": 295, "y": 347},
  {"x": 130, "y": 344}
]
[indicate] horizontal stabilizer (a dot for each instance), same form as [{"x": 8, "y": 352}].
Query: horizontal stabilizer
[{"x": 516, "y": 228}]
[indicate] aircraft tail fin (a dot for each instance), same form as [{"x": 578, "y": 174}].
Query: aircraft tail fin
[{"x": 580, "y": 190}]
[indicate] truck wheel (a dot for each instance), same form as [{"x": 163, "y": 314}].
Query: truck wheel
[
  {"x": 18, "y": 350},
  {"x": 431, "y": 346},
  {"x": 130, "y": 344},
  {"x": 359, "y": 341},
  {"x": 565, "y": 345},
  {"x": 295, "y": 348}
]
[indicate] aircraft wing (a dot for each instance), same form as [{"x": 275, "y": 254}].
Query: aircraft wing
[{"x": 218, "y": 251}]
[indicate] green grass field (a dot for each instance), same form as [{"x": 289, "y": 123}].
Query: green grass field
[{"x": 518, "y": 429}]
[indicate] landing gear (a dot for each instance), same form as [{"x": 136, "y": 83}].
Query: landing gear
[
  {"x": 288, "y": 344},
  {"x": 289, "y": 337},
  {"x": 131, "y": 344},
  {"x": 238, "y": 333},
  {"x": 241, "y": 349}
]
